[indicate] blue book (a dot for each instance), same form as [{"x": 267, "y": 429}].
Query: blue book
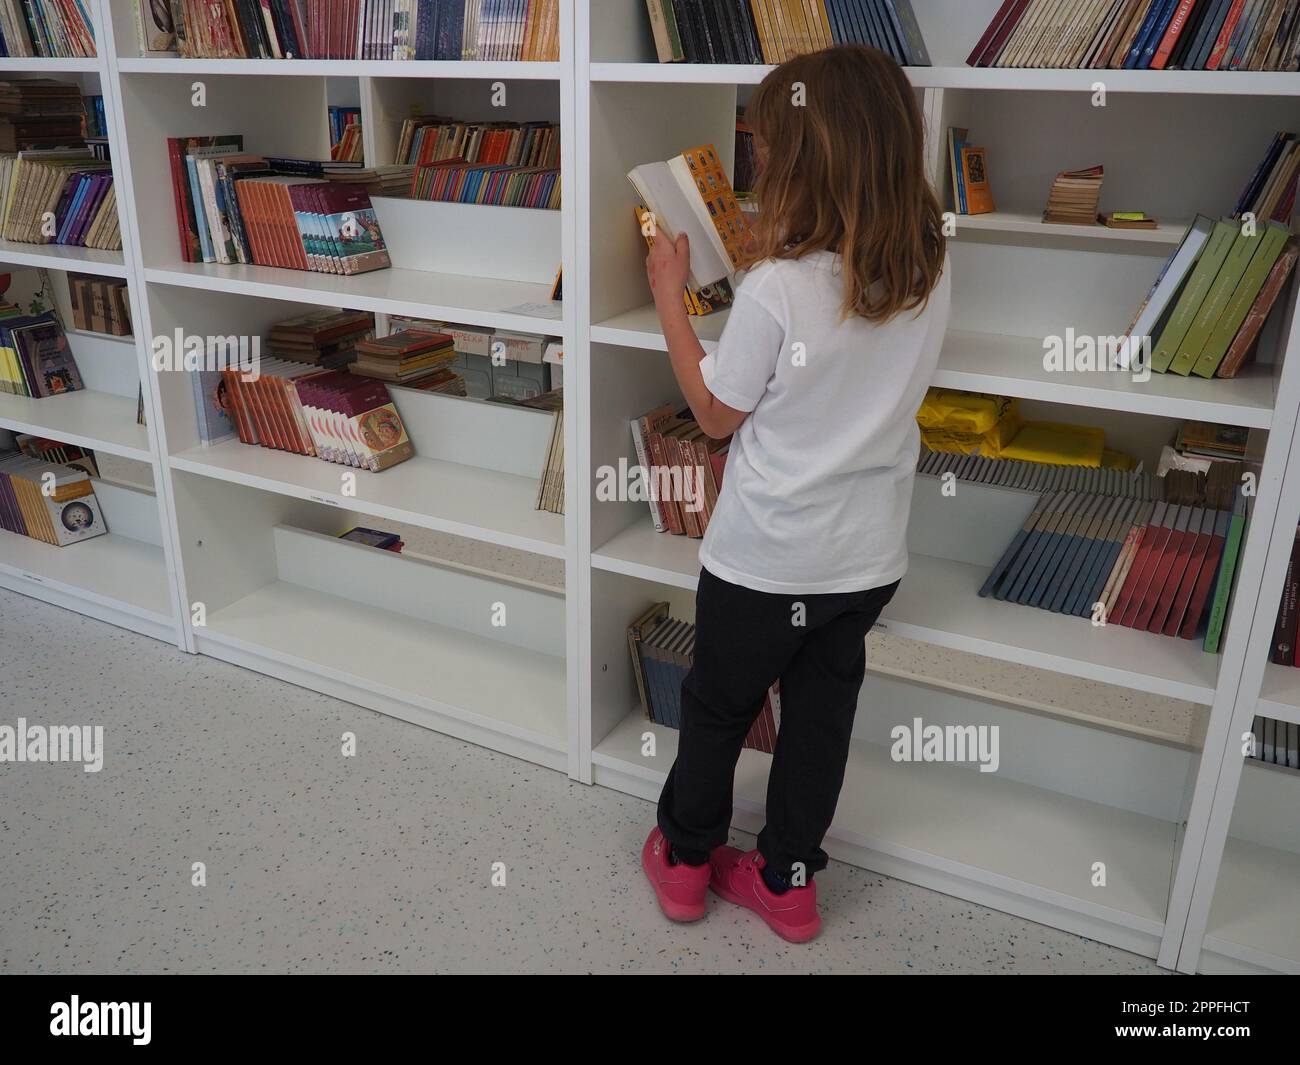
[
  {"x": 1158, "y": 34},
  {"x": 1144, "y": 34},
  {"x": 1207, "y": 35},
  {"x": 908, "y": 32},
  {"x": 200, "y": 212}
]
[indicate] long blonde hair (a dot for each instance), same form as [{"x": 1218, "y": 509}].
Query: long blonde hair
[{"x": 842, "y": 144}]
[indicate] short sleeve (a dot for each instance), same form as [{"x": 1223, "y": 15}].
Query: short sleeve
[{"x": 738, "y": 372}]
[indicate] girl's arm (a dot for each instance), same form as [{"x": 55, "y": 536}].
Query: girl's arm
[{"x": 668, "y": 266}]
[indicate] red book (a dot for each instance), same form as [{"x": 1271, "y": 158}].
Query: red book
[
  {"x": 1176, "y": 26},
  {"x": 1225, "y": 36},
  {"x": 999, "y": 41},
  {"x": 1139, "y": 574},
  {"x": 1200, "y": 548},
  {"x": 1205, "y": 579},
  {"x": 1173, "y": 582},
  {"x": 1165, "y": 564},
  {"x": 972, "y": 60}
]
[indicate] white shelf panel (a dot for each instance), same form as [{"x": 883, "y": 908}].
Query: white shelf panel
[
  {"x": 1279, "y": 695},
  {"x": 352, "y": 68},
  {"x": 1216, "y": 83},
  {"x": 446, "y": 297},
  {"x": 1013, "y": 366},
  {"x": 110, "y": 571},
  {"x": 517, "y": 692},
  {"x": 98, "y": 420},
  {"x": 1256, "y": 913},
  {"x": 448, "y": 496},
  {"x": 1026, "y": 224},
  {"x": 980, "y": 827},
  {"x": 63, "y": 257},
  {"x": 938, "y": 603},
  {"x": 37, "y": 65}
]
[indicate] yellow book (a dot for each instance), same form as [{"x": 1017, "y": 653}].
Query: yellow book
[{"x": 1058, "y": 444}]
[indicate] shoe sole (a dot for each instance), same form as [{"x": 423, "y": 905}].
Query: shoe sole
[
  {"x": 677, "y": 912},
  {"x": 790, "y": 933}
]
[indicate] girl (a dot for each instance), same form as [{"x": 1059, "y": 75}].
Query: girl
[{"x": 829, "y": 347}]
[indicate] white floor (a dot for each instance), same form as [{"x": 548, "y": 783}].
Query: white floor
[{"x": 378, "y": 863}]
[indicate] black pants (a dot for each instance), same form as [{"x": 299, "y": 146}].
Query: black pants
[{"x": 744, "y": 641}]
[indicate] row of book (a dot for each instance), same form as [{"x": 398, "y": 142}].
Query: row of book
[
  {"x": 1143, "y": 35},
  {"x": 1276, "y": 742},
  {"x": 491, "y": 30},
  {"x": 550, "y": 480},
  {"x": 233, "y": 207},
  {"x": 1036, "y": 476},
  {"x": 40, "y": 447},
  {"x": 1163, "y": 566},
  {"x": 426, "y": 139},
  {"x": 59, "y": 196},
  {"x": 50, "y": 29},
  {"x": 681, "y": 468},
  {"x": 345, "y": 133},
  {"x": 100, "y": 304},
  {"x": 772, "y": 31},
  {"x": 1270, "y": 194},
  {"x": 662, "y": 649},
  {"x": 329, "y": 414},
  {"x": 44, "y": 113},
  {"x": 35, "y": 358},
  {"x": 48, "y": 501},
  {"x": 496, "y": 186},
  {"x": 1207, "y": 309},
  {"x": 972, "y": 192}
]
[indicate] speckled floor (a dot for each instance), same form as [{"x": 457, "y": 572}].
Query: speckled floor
[{"x": 378, "y": 863}]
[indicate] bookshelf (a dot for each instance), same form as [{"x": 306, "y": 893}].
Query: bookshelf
[{"x": 232, "y": 553}]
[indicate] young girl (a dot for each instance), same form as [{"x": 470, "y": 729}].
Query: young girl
[{"x": 825, "y": 359}]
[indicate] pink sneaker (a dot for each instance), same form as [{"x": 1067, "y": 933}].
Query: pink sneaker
[
  {"x": 737, "y": 878},
  {"x": 682, "y": 890}
]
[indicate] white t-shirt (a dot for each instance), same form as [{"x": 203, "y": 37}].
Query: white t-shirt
[{"x": 818, "y": 483}]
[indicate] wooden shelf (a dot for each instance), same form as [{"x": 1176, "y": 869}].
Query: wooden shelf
[
  {"x": 97, "y": 420},
  {"x": 444, "y": 297},
  {"x": 1020, "y": 846},
  {"x": 63, "y": 257},
  {"x": 110, "y": 577},
  {"x": 355, "y": 68},
  {"x": 938, "y": 603},
  {"x": 503, "y": 697},
  {"x": 448, "y": 496}
]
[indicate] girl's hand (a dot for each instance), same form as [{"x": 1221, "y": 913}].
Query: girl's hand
[{"x": 668, "y": 266}]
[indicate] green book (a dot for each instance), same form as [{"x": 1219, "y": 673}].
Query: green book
[
  {"x": 1225, "y": 284},
  {"x": 1243, "y": 299},
  {"x": 1223, "y": 587},
  {"x": 1193, "y": 295}
]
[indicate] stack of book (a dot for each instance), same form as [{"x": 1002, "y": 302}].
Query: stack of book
[
  {"x": 411, "y": 357},
  {"x": 681, "y": 469},
  {"x": 1164, "y": 566},
  {"x": 1143, "y": 35},
  {"x": 48, "y": 501},
  {"x": 499, "y": 30},
  {"x": 340, "y": 118},
  {"x": 772, "y": 31},
  {"x": 35, "y": 359},
  {"x": 58, "y": 196},
  {"x": 375, "y": 538},
  {"x": 232, "y": 207},
  {"x": 100, "y": 304},
  {"x": 289, "y": 406},
  {"x": 321, "y": 338},
  {"x": 1276, "y": 742},
  {"x": 41, "y": 113},
  {"x": 39, "y": 447},
  {"x": 51, "y": 29},
  {"x": 1075, "y": 196},
  {"x": 1270, "y": 194},
  {"x": 663, "y": 649},
  {"x": 1206, "y": 310},
  {"x": 386, "y": 180}
]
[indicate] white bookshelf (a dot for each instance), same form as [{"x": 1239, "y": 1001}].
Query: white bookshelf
[{"x": 241, "y": 559}]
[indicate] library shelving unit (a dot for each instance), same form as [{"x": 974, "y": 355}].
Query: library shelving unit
[
  {"x": 1245, "y": 910},
  {"x": 1074, "y": 792},
  {"x": 127, "y": 576},
  {"x": 1108, "y": 813}
]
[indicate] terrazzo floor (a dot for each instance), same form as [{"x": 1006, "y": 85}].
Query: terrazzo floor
[{"x": 382, "y": 862}]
